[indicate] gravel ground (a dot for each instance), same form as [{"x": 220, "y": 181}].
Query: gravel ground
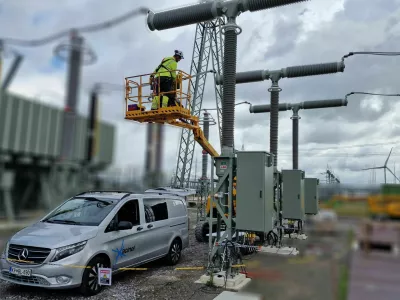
[{"x": 160, "y": 282}]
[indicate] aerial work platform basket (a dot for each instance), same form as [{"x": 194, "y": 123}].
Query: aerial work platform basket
[
  {"x": 142, "y": 101},
  {"x": 143, "y": 105}
]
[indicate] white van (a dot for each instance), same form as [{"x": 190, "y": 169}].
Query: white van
[{"x": 96, "y": 230}]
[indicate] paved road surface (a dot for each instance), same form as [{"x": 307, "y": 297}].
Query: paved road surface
[{"x": 374, "y": 277}]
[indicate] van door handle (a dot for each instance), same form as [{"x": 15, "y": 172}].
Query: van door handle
[
  {"x": 139, "y": 228},
  {"x": 150, "y": 226}
]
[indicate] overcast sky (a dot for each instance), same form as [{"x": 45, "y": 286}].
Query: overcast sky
[{"x": 346, "y": 138}]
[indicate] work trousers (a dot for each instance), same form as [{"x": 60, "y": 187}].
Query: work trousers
[{"x": 166, "y": 86}]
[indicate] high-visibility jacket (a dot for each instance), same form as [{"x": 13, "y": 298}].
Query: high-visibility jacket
[{"x": 167, "y": 68}]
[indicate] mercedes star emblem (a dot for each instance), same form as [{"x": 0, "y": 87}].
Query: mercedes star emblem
[{"x": 23, "y": 255}]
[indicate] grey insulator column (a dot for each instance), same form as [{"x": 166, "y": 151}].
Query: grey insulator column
[
  {"x": 295, "y": 142},
  {"x": 229, "y": 75},
  {"x": 274, "y": 122},
  {"x": 206, "y": 130},
  {"x": 74, "y": 76}
]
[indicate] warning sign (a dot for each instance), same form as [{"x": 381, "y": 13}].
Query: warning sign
[
  {"x": 104, "y": 276},
  {"x": 223, "y": 166}
]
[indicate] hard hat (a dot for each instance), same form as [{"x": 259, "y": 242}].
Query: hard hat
[{"x": 179, "y": 53}]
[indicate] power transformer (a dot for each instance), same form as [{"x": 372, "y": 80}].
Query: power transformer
[
  {"x": 293, "y": 194},
  {"x": 255, "y": 191}
]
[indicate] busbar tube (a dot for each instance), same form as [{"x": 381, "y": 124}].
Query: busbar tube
[
  {"x": 255, "y": 5},
  {"x": 256, "y": 109},
  {"x": 312, "y": 70},
  {"x": 323, "y": 103},
  {"x": 202, "y": 12}
]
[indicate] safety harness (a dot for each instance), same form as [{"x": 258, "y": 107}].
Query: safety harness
[{"x": 162, "y": 65}]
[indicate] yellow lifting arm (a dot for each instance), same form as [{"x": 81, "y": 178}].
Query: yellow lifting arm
[{"x": 201, "y": 139}]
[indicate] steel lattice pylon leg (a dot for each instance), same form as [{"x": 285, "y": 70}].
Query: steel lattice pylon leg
[{"x": 207, "y": 42}]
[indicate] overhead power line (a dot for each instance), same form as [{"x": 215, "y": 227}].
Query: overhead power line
[
  {"x": 371, "y": 53},
  {"x": 373, "y": 94},
  {"x": 89, "y": 28}
]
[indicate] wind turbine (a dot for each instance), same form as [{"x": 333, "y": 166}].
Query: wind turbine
[{"x": 384, "y": 167}]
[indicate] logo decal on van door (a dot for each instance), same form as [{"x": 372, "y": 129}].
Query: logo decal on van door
[{"x": 122, "y": 251}]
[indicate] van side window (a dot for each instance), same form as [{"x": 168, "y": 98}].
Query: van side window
[
  {"x": 128, "y": 212},
  {"x": 155, "y": 209}
]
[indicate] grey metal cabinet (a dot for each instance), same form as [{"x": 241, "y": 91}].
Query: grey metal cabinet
[
  {"x": 292, "y": 194},
  {"x": 255, "y": 191}
]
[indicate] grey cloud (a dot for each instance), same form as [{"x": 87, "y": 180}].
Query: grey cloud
[{"x": 286, "y": 31}]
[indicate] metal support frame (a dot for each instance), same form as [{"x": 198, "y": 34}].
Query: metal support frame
[{"x": 207, "y": 43}]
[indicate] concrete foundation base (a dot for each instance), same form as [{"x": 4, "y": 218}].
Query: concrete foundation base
[
  {"x": 296, "y": 236},
  {"x": 235, "y": 284},
  {"x": 226, "y": 295},
  {"x": 279, "y": 251}
]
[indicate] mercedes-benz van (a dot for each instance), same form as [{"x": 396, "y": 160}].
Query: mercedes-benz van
[{"x": 96, "y": 230}]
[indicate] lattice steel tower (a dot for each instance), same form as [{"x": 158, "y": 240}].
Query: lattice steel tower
[{"x": 208, "y": 42}]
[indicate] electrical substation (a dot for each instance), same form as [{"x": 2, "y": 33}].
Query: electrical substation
[{"x": 273, "y": 195}]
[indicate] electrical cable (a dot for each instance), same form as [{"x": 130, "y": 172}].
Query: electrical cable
[
  {"x": 88, "y": 28},
  {"x": 371, "y": 53},
  {"x": 373, "y": 94}
]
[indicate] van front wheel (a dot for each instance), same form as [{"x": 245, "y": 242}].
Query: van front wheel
[
  {"x": 90, "y": 285},
  {"x": 175, "y": 253}
]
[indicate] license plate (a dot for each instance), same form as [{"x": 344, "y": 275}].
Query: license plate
[{"x": 21, "y": 272}]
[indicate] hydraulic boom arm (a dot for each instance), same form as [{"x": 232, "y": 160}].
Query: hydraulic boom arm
[{"x": 201, "y": 139}]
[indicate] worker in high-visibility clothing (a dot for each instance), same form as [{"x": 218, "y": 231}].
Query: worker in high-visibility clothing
[{"x": 164, "y": 80}]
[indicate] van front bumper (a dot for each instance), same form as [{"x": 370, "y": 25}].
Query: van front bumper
[{"x": 50, "y": 276}]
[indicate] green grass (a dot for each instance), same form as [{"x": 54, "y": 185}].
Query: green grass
[
  {"x": 356, "y": 209},
  {"x": 343, "y": 282}
]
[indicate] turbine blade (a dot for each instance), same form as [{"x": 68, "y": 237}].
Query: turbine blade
[
  {"x": 374, "y": 168},
  {"x": 392, "y": 173},
  {"x": 387, "y": 159}
]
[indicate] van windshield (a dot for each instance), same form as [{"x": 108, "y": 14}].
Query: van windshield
[{"x": 85, "y": 211}]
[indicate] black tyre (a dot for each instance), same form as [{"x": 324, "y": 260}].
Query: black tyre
[
  {"x": 201, "y": 231},
  {"x": 90, "y": 285},
  {"x": 175, "y": 252}
]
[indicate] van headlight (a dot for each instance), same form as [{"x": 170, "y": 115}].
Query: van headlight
[{"x": 66, "y": 251}]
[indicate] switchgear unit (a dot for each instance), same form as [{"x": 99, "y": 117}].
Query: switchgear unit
[
  {"x": 292, "y": 194},
  {"x": 311, "y": 196},
  {"x": 255, "y": 191}
]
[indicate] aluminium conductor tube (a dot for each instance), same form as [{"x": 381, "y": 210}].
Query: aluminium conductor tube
[
  {"x": 254, "y": 5},
  {"x": 264, "y": 108},
  {"x": 324, "y": 103}
]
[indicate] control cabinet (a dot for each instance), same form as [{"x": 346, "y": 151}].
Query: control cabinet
[
  {"x": 311, "y": 196},
  {"x": 255, "y": 191},
  {"x": 292, "y": 194}
]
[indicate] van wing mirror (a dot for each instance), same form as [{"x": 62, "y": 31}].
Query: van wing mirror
[{"x": 124, "y": 225}]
